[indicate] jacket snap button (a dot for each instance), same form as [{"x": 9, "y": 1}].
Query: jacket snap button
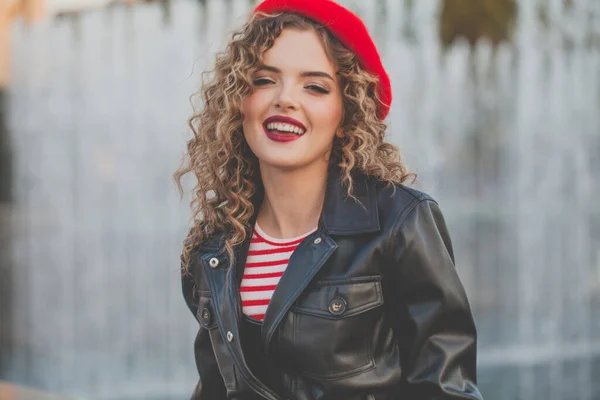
[
  {"x": 214, "y": 262},
  {"x": 229, "y": 336},
  {"x": 317, "y": 241},
  {"x": 337, "y": 306},
  {"x": 206, "y": 317}
]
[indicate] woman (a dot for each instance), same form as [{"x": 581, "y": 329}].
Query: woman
[{"x": 313, "y": 272}]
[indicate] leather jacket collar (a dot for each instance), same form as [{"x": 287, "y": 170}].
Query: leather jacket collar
[{"x": 341, "y": 214}]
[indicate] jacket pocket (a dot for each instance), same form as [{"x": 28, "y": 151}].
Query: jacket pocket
[{"x": 333, "y": 327}]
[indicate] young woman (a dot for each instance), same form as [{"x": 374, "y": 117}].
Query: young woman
[{"x": 313, "y": 271}]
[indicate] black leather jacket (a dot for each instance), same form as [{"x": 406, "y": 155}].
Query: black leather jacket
[{"x": 369, "y": 308}]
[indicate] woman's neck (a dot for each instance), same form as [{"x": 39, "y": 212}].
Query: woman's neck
[{"x": 293, "y": 200}]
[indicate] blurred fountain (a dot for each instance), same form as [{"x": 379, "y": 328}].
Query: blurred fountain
[{"x": 499, "y": 119}]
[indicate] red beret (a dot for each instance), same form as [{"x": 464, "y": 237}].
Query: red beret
[{"x": 349, "y": 29}]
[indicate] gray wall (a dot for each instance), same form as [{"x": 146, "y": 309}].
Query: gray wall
[{"x": 507, "y": 139}]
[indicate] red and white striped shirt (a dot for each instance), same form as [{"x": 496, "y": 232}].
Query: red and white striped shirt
[{"x": 266, "y": 262}]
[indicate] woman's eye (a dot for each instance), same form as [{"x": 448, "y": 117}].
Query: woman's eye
[
  {"x": 261, "y": 81},
  {"x": 317, "y": 88}
]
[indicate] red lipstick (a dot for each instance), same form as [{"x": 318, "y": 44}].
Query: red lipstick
[{"x": 283, "y": 137}]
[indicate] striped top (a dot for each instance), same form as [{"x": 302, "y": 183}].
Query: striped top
[{"x": 267, "y": 260}]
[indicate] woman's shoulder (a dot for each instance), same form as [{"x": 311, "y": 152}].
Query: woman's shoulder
[
  {"x": 194, "y": 248},
  {"x": 197, "y": 239},
  {"x": 411, "y": 213},
  {"x": 398, "y": 203},
  {"x": 398, "y": 195},
  {"x": 194, "y": 245}
]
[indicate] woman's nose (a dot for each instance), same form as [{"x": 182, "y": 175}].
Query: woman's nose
[{"x": 285, "y": 99}]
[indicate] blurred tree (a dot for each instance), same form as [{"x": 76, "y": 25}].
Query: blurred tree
[{"x": 475, "y": 19}]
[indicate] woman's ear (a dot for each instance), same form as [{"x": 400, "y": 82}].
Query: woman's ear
[{"x": 339, "y": 133}]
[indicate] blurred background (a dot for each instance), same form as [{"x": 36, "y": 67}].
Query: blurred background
[{"x": 496, "y": 108}]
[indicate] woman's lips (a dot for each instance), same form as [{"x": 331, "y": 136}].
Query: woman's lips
[
  {"x": 281, "y": 137},
  {"x": 282, "y": 119}
]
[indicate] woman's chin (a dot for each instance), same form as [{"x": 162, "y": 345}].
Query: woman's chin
[{"x": 283, "y": 163}]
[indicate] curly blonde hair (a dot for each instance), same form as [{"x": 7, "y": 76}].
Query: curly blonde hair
[{"x": 225, "y": 168}]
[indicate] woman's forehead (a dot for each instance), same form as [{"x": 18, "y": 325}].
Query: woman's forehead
[{"x": 296, "y": 49}]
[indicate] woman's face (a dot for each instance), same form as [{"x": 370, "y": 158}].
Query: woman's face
[{"x": 295, "y": 109}]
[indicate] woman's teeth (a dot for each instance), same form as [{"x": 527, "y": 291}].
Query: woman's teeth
[{"x": 285, "y": 128}]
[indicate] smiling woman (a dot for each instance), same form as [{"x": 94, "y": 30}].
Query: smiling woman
[
  {"x": 290, "y": 96},
  {"x": 314, "y": 272}
]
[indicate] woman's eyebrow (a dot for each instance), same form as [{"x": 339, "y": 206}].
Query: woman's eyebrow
[
  {"x": 317, "y": 74},
  {"x": 303, "y": 74}
]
